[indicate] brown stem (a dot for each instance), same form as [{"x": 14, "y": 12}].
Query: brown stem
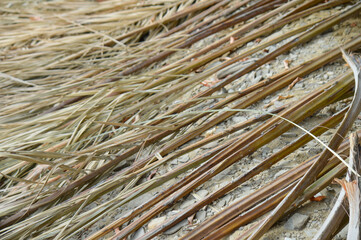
[{"x": 321, "y": 162}]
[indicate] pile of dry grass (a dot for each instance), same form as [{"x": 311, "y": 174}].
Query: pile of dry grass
[{"x": 98, "y": 95}]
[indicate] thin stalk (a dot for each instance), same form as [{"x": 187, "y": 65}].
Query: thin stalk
[
  {"x": 321, "y": 162},
  {"x": 197, "y": 37},
  {"x": 240, "y": 41},
  {"x": 108, "y": 166},
  {"x": 244, "y": 30},
  {"x": 110, "y": 43},
  {"x": 267, "y": 163},
  {"x": 328, "y": 174},
  {"x": 353, "y": 188},
  {"x": 337, "y": 214},
  {"x": 270, "y": 204},
  {"x": 246, "y": 146},
  {"x": 82, "y": 181},
  {"x": 323, "y": 26},
  {"x": 181, "y": 169}
]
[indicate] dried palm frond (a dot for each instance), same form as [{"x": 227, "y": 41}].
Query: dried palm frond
[{"x": 101, "y": 98}]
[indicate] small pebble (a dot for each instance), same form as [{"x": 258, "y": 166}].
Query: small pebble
[
  {"x": 156, "y": 222},
  {"x": 296, "y": 222},
  {"x": 221, "y": 203},
  {"x": 176, "y": 227},
  {"x": 239, "y": 119},
  {"x": 289, "y": 135},
  {"x": 183, "y": 158},
  {"x": 140, "y": 232},
  {"x": 201, "y": 215},
  {"x": 202, "y": 193}
]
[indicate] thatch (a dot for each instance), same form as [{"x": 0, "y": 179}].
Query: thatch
[{"x": 99, "y": 98}]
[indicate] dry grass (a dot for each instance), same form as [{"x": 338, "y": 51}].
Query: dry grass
[{"x": 98, "y": 95}]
